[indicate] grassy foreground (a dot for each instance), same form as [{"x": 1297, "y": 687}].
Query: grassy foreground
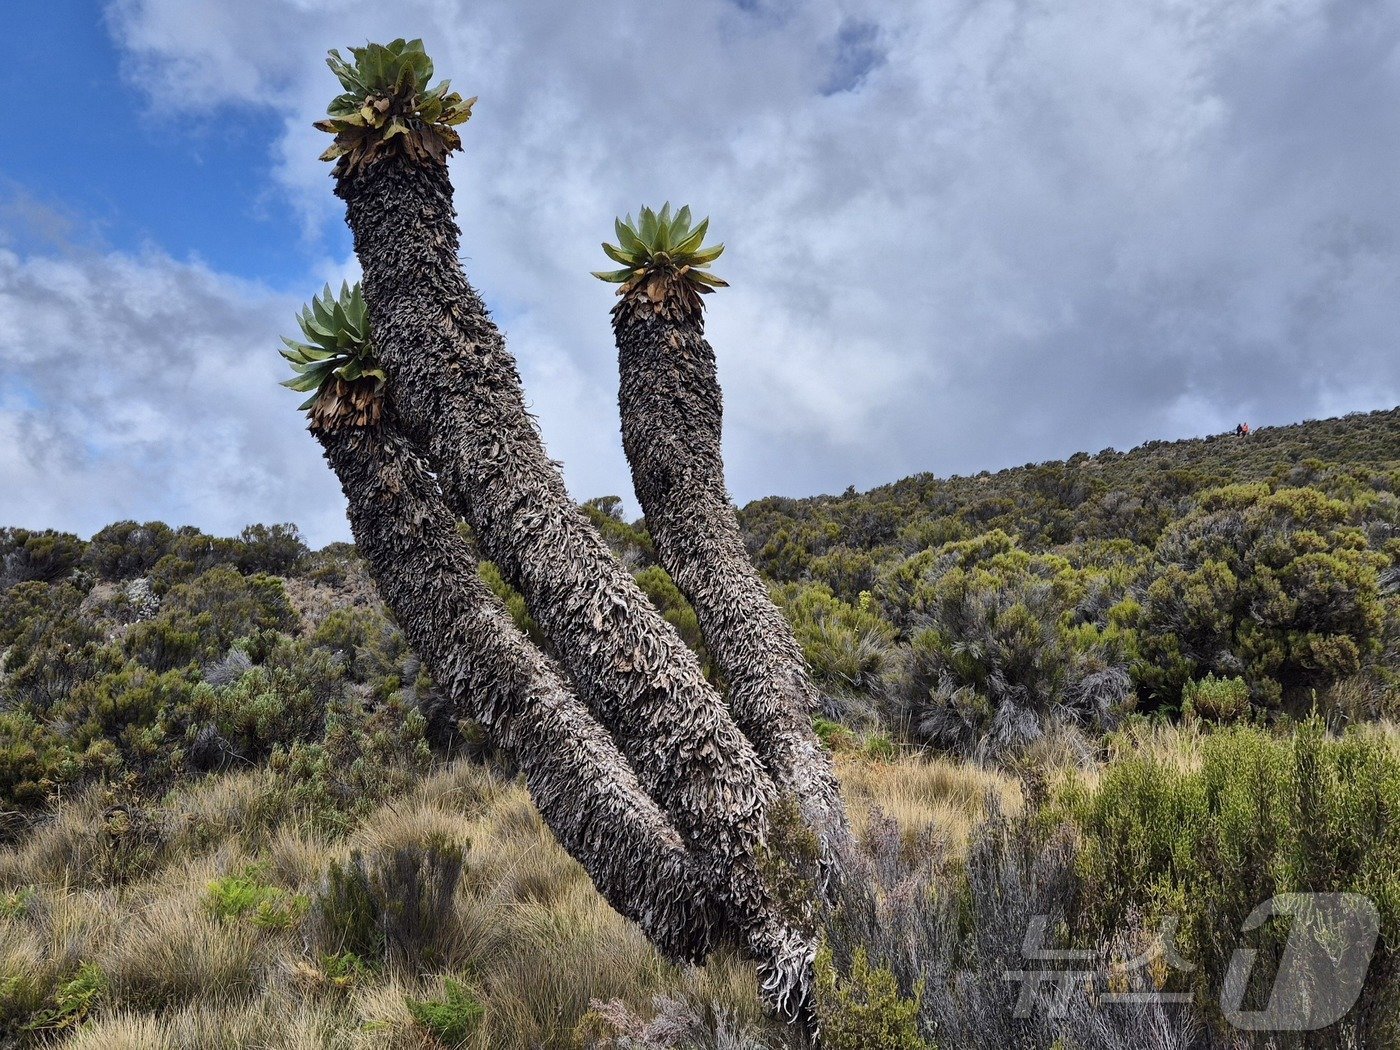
[{"x": 197, "y": 922}]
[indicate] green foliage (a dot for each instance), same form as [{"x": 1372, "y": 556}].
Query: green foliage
[
  {"x": 363, "y": 757},
  {"x": 391, "y": 907},
  {"x": 1010, "y": 645},
  {"x": 35, "y": 759},
  {"x": 264, "y": 708},
  {"x": 453, "y": 1018},
  {"x": 277, "y": 550},
  {"x": 347, "y": 910},
  {"x": 15, "y": 904},
  {"x": 44, "y": 556},
  {"x": 343, "y": 969},
  {"x": 134, "y": 710},
  {"x": 125, "y": 549},
  {"x": 878, "y": 747},
  {"x": 246, "y": 897},
  {"x": 366, "y": 642},
  {"x": 846, "y": 646},
  {"x": 630, "y": 543},
  {"x": 513, "y": 600},
  {"x": 72, "y": 1001},
  {"x": 789, "y": 864},
  {"x": 864, "y": 1009},
  {"x": 663, "y": 259},
  {"x": 336, "y": 363},
  {"x": 1216, "y": 699},
  {"x": 1258, "y": 815},
  {"x": 388, "y": 106},
  {"x": 1280, "y": 586},
  {"x": 833, "y": 735}
]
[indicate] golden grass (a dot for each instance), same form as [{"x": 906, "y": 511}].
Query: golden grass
[
  {"x": 926, "y": 796},
  {"x": 527, "y": 933}
]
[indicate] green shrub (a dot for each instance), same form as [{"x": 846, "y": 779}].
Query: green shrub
[
  {"x": 789, "y": 864},
  {"x": 834, "y": 735},
  {"x": 274, "y": 549},
  {"x": 72, "y": 1002},
  {"x": 201, "y": 619},
  {"x": 135, "y": 710},
  {"x": 1216, "y": 699},
  {"x": 878, "y": 747},
  {"x": 52, "y": 647},
  {"x": 630, "y": 543},
  {"x": 513, "y": 600},
  {"x": 396, "y": 907},
  {"x": 347, "y": 912},
  {"x": 263, "y": 708},
  {"x": 1258, "y": 816},
  {"x": 35, "y": 760},
  {"x": 44, "y": 556},
  {"x": 1280, "y": 585},
  {"x": 15, "y": 904},
  {"x": 846, "y": 646},
  {"x": 864, "y": 1009},
  {"x": 453, "y": 1018},
  {"x": 343, "y": 969},
  {"x": 245, "y": 896},
  {"x": 126, "y": 549},
  {"x": 367, "y": 642}
]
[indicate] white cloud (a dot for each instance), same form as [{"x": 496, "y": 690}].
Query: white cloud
[
  {"x": 145, "y": 388},
  {"x": 1025, "y": 230}
]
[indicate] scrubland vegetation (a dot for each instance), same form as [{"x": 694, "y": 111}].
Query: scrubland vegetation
[{"x": 1114, "y": 691}]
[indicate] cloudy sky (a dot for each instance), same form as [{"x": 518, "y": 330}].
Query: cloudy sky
[{"x": 962, "y": 234}]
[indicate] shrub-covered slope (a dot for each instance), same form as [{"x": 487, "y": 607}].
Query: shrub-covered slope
[{"x": 222, "y": 749}]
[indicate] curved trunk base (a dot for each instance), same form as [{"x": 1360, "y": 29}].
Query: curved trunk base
[{"x": 584, "y": 789}]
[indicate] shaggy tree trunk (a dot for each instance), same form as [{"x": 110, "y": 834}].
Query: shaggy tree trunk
[
  {"x": 671, "y": 431},
  {"x": 455, "y": 388},
  {"x": 583, "y": 787}
]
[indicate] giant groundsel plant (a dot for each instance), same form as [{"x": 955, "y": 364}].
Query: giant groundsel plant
[
  {"x": 337, "y": 362},
  {"x": 388, "y": 106},
  {"x": 665, "y": 265}
]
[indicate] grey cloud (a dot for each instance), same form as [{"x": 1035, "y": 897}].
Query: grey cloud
[
  {"x": 141, "y": 387},
  {"x": 1014, "y": 232}
]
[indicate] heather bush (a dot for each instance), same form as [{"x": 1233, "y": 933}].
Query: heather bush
[
  {"x": 671, "y": 604},
  {"x": 277, "y": 550},
  {"x": 1279, "y": 587},
  {"x": 1216, "y": 699},
  {"x": 125, "y": 549},
  {"x": 368, "y": 644},
  {"x": 846, "y": 646},
  {"x": 394, "y": 908},
  {"x": 45, "y": 556},
  {"x": 863, "y": 1010},
  {"x": 955, "y": 929},
  {"x": 1253, "y": 815},
  {"x": 261, "y": 709},
  {"x": 1001, "y": 661}
]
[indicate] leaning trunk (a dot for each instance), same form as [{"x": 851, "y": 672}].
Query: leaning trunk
[
  {"x": 456, "y": 390},
  {"x": 671, "y": 431},
  {"x": 583, "y": 787}
]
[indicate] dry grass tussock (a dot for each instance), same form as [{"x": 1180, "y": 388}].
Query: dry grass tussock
[
  {"x": 209, "y": 930},
  {"x": 937, "y": 798}
]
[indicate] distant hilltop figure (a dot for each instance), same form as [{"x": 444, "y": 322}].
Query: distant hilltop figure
[{"x": 1242, "y": 430}]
